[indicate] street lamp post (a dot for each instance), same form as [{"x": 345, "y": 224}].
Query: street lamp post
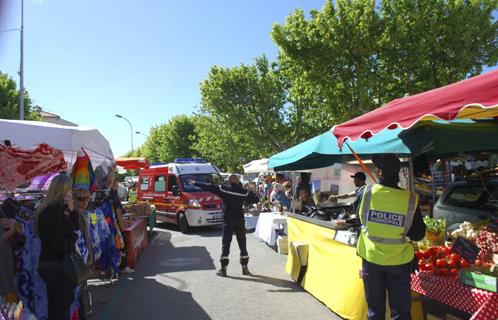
[
  {"x": 21, "y": 67},
  {"x": 21, "y": 63},
  {"x": 143, "y": 134},
  {"x": 131, "y": 128}
]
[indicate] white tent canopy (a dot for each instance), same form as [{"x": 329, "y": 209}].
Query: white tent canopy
[
  {"x": 70, "y": 140},
  {"x": 257, "y": 166}
]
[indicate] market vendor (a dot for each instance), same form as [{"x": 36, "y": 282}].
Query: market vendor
[
  {"x": 389, "y": 215},
  {"x": 359, "y": 179}
]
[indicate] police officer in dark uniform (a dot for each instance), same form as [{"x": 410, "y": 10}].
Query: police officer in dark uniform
[
  {"x": 234, "y": 196},
  {"x": 390, "y": 217}
]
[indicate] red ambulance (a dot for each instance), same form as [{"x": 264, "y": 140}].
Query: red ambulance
[{"x": 166, "y": 186}]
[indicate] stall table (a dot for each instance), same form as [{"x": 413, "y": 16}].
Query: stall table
[
  {"x": 481, "y": 304},
  {"x": 251, "y": 221},
  {"x": 332, "y": 268},
  {"x": 267, "y": 226},
  {"x": 136, "y": 240}
]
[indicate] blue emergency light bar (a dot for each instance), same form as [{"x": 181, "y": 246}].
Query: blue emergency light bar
[{"x": 190, "y": 160}]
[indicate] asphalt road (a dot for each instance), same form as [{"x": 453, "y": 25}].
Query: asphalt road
[{"x": 175, "y": 279}]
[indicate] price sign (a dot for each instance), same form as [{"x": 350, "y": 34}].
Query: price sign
[{"x": 466, "y": 249}]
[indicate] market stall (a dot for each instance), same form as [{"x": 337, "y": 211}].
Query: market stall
[
  {"x": 267, "y": 226},
  {"x": 68, "y": 139},
  {"x": 474, "y": 98},
  {"x": 30, "y": 170},
  {"x": 432, "y": 139},
  {"x": 331, "y": 266},
  {"x": 136, "y": 240},
  {"x": 257, "y": 166}
]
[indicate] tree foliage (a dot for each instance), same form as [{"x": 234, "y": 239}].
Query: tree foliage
[
  {"x": 355, "y": 55},
  {"x": 245, "y": 109},
  {"x": 174, "y": 139},
  {"x": 9, "y": 101},
  {"x": 346, "y": 59}
]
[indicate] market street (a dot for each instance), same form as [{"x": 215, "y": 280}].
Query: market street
[{"x": 175, "y": 279}]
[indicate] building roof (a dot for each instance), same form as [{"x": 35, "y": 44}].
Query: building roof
[{"x": 54, "y": 118}]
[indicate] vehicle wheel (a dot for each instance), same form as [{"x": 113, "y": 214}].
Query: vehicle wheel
[{"x": 182, "y": 222}]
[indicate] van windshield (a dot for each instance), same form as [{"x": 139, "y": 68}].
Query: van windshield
[{"x": 199, "y": 177}]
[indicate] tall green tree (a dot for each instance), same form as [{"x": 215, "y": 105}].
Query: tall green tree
[
  {"x": 246, "y": 111},
  {"x": 355, "y": 55},
  {"x": 9, "y": 101},
  {"x": 174, "y": 139},
  {"x": 220, "y": 146}
]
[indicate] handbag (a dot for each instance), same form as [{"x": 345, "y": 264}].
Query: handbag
[{"x": 74, "y": 266}]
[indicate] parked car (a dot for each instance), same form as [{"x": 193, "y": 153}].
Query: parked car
[{"x": 471, "y": 200}]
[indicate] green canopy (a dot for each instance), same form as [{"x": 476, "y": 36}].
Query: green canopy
[
  {"x": 436, "y": 138},
  {"x": 427, "y": 137}
]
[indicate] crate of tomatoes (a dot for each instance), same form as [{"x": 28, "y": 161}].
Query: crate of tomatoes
[{"x": 441, "y": 260}]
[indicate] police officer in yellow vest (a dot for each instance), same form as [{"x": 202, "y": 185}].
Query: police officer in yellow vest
[{"x": 390, "y": 218}]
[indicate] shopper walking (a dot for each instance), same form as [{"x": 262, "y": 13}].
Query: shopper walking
[
  {"x": 390, "y": 218},
  {"x": 56, "y": 224},
  {"x": 234, "y": 197}
]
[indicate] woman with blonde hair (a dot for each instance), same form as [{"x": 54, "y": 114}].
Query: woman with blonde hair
[{"x": 56, "y": 223}]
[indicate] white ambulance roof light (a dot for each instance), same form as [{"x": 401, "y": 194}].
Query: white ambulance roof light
[{"x": 190, "y": 160}]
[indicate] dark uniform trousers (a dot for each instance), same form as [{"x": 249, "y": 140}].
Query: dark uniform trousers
[
  {"x": 396, "y": 280},
  {"x": 229, "y": 226}
]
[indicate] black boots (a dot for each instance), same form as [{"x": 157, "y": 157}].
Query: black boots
[
  {"x": 222, "y": 272},
  {"x": 245, "y": 271}
]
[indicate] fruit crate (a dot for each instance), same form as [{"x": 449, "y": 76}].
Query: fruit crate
[{"x": 479, "y": 280}]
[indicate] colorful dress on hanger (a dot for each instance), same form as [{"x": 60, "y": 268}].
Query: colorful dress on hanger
[{"x": 31, "y": 287}]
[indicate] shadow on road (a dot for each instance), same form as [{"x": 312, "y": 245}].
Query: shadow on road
[
  {"x": 288, "y": 285},
  {"x": 163, "y": 257},
  {"x": 209, "y": 231},
  {"x": 150, "y": 300}
]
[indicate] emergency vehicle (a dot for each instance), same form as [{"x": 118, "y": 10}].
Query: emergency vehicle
[{"x": 176, "y": 201}]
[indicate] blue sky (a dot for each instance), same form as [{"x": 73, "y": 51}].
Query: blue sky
[{"x": 88, "y": 60}]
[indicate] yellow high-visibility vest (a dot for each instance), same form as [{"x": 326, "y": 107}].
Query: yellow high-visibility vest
[
  {"x": 386, "y": 215},
  {"x": 132, "y": 196}
]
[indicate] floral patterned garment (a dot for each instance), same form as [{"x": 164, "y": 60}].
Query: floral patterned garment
[
  {"x": 30, "y": 286},
  {"x": 110, "y": 253},
  {"x": 99, "y": 231}
]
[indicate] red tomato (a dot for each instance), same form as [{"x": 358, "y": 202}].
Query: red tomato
[
  {"x": 447, "y": 250},
  {"x": 455, "y": 256},
  {"x": 450, "y": 248},
  {"x": 441, "y": 252},
  {"x": 441, "y": 263},
  {"x": 454, "y": 272},
  {"x": 478, "y": 262},
  {"x": 445, "y": 272},
  {"x": 452, "y": 263},
  {"x": 419, "y": 254},
  {"x": 464, "y": 263},
  {"x": 432, "y": 251},
  {"x": 421, "y": 265},
  {"x": 488, "y": 265},
  {"x": 429, "y": 266}
]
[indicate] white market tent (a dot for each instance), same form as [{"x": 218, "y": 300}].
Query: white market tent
[
  {"x": 70, "y": 140},
  {"x": 257, "y": 166}
]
